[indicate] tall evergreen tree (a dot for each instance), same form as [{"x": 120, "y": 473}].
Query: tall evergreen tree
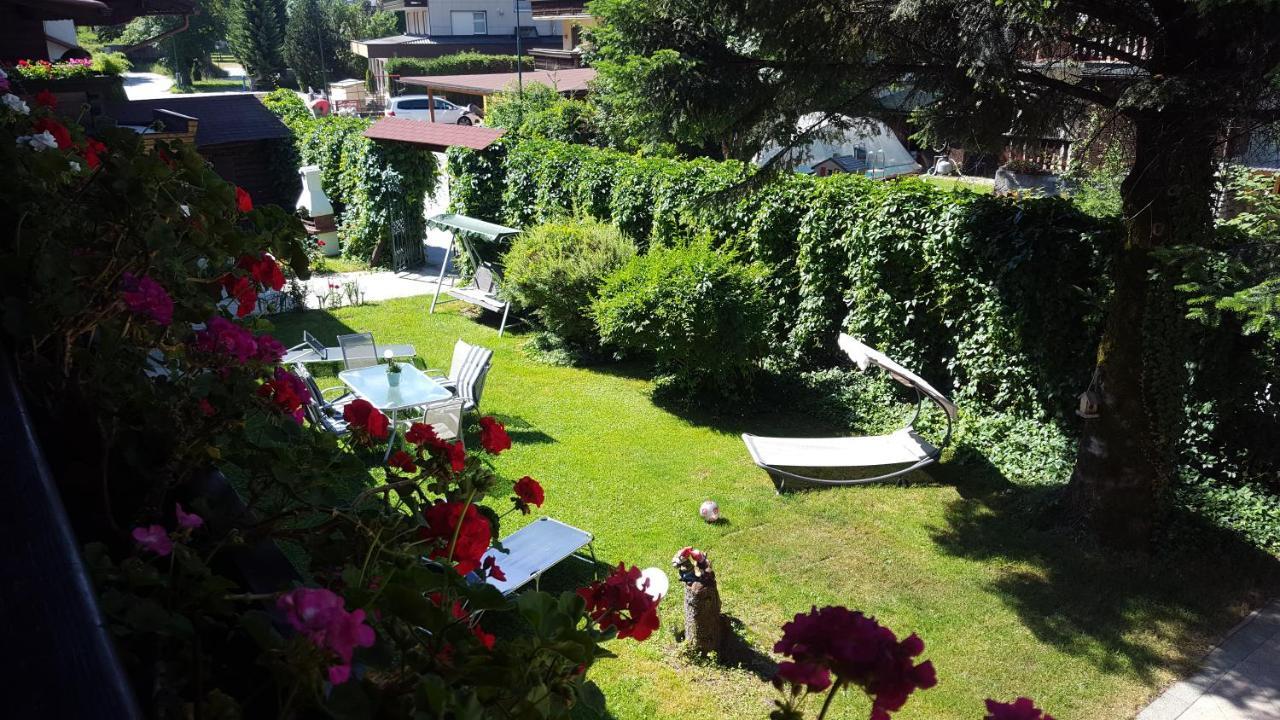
[
  {"x": 310, "y": 44},
  {"x": 255, "y": 33}
]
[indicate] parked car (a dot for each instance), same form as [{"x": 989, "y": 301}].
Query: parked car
[{"x": 417, "y": 107}]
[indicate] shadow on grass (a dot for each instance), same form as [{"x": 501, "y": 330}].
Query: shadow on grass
[
  {"x": 737, "y": 651},
  {"x": 1096, "y": 604},
  {"x": 522, "y": 432},
  {"x": 320, "y": 323}
]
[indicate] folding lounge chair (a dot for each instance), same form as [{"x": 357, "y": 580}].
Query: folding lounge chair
[
  {"x": 902, "y": 448},
  {"x": 536, "y": 548},
  {"x": 324, "y": 413},
  {"x": 311, "y": 350}
]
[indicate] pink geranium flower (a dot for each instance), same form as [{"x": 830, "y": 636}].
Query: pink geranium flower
[
  {"x": 147, "y": 298},
  {"x": 320, "y": 616},
  {"x": 153, "y": 538},
  {"x": 186, "y": 520}
]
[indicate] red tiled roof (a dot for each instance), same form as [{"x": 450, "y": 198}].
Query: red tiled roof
[
  {"x": 563, "y": 81},
  {"x": 434, "y": 135}
]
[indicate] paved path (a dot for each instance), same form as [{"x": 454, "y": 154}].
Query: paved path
[
  {"x": 1239, "y": 680},
  {"x": 376, "y": 285},
  {"x": 144, "y": 85}
]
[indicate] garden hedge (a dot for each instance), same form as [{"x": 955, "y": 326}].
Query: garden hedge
[
  {"x": 456, "y": 64},
  {"x": 996, "y": 300}
]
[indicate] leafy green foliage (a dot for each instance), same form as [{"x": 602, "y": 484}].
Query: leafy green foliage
[
  {"x": 697, "y": 312},
  {"x": 370, "y": 183},
  {"x": 555, "y": 271},
  {"x": 255, "y": 34},
  {"x": 540, "y": 112},
  {"x": 310, "y": 43},
  {"x": 455, "y": 64}
]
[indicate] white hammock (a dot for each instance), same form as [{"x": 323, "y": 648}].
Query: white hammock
[{"x": 904, "y": 447}]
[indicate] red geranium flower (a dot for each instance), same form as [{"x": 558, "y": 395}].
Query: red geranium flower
[
  {"x": 491, "y": 569},
  {"x": 93, "y": 150},
  {"x": 528, "y": 492},
  {"x": 363, "y": 417},
  {"x": 860, "y": 651},
  {"x": 244, "y": 203},
  {"x": 619, "y": 602},
  {"x": 443, "y": 520},
  {"x": 287, "y": 392},
  {"x": 242, "y": 291},
  {"x": 403, "y": 462},
  {"x": 44, "y": 98},
  {"x": 493, "y": 436},
  {"x": 56, "y": 129},
  {"x": 420, "y": 434},
  {"x": 1020, "y": 709},
  {"x": 485, "y": 638},
  {"x": 264, "y": 269}
]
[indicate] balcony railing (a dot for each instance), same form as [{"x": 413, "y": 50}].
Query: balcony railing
[{"x": 550, "y": 9}]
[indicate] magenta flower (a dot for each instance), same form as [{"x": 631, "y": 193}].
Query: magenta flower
[
  {"x": 186, "y": 520},
  {"x": 147, "y": 298},
  {"x": 223, "y": 337},
  {"x": 153, "y": 538},
  {"x": 270, "y": 350},
  {"x": 859, "y": 651},
  {"x": 320, "y": 616},
  {"x": 816, "y": 677}
]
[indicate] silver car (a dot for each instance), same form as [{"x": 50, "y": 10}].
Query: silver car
[{"x": 418, "y": 107}]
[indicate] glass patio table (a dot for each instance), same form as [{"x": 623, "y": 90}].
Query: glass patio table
[{"x": 415, "y": 389}]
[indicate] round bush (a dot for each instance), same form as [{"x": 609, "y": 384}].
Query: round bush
[
  {"x": 554, "y": 271},
  {"x": 698, "y": 312}
]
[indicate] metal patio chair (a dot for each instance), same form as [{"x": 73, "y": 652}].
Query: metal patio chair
[{"x": 358, "y": 350}]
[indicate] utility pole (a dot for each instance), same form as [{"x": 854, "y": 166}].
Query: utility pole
[
  {"x": 324, "y": 79},
  {"x": 519, "y": 55}
]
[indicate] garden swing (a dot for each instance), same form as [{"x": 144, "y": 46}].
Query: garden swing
[{"x": 904, "y": 447}]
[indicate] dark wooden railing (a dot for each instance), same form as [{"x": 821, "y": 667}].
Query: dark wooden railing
[
  {"x": 59, "y": 660},
  {"x": 557, "y": 8}
]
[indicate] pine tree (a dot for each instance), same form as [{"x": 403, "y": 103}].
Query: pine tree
[
  {"x": 310, "y": 43},
  {"x": 255, "y": 33}
]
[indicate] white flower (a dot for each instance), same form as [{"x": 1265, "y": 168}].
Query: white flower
[
  {"x": 3, "y": 76},
  {"x": 75, "y": 166},
  {"x": 42, "y": 141},
  {"x": 14, "y": 103}
]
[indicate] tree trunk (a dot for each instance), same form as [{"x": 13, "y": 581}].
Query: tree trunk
[
  {"x": 1125, "y": 454},
  {"x": 703, "y": 625}
]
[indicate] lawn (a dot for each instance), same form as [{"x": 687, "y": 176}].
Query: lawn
[
  {"x": 1005, "y": 608},
  {"x": 982, "y": 186}
]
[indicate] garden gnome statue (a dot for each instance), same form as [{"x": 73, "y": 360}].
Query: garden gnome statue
[{"x": 703, "y": 626}]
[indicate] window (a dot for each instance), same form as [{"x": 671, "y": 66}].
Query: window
[
  {"x": 413, "y": 104},
  {"x": 466, "y": 22}
]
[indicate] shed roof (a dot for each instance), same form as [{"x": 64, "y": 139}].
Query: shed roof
[
  {"x": 562, "y": 81},
  {"x": 437, "y": 136},
  {"x": 475, "y": 226},
  {"x": 224, "y": 118}
]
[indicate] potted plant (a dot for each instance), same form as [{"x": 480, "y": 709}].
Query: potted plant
[{"x": 393, "y": 369}]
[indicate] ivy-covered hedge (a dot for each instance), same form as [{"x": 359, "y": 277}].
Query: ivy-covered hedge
[
  {"x": 456, "y": 64},
  {"x": 370, "y": 183},
  {"x": 996, "y": 299}
]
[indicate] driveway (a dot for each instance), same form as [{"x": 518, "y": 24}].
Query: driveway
[{"x": 144, "y": 85}]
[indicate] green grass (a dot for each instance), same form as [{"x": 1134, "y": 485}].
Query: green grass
[
  {"x": 955, "y": 183},
  {"x": 1005, "y": 607},
  {"x": 338, "y": 264}
]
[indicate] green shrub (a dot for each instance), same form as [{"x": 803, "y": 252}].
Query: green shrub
[
  {"x": 555, "y": 270},
  {"x": 697, "y": 312},
  {"x": 456, "y": 64}
]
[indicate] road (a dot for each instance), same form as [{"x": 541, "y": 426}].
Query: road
[{"x": 144, "y": 85}]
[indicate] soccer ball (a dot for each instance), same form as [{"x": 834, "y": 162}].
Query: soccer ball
[{"x": 709, "y": 511}]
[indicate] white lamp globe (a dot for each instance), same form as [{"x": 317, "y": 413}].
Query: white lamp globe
[{"x": 658, "y": 582}]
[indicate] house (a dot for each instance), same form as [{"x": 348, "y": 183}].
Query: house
[
  {"x": 246, "y": 143},
  {"x": 574, "y": 82},
  {"x": 855, "y": 163},
  {"x": 445, "y": 27},
  {"x": 841, "y": 144},
  {"x": 573, "y": 18}
]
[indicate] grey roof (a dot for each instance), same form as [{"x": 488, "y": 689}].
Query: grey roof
[
  {"x": 224, "y": 118},
  {"x": 475, "y": 226},
  {"x": 847, "y": 163}
]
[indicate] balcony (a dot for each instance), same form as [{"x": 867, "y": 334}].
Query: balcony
[{"x": 558, "y": 9}]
